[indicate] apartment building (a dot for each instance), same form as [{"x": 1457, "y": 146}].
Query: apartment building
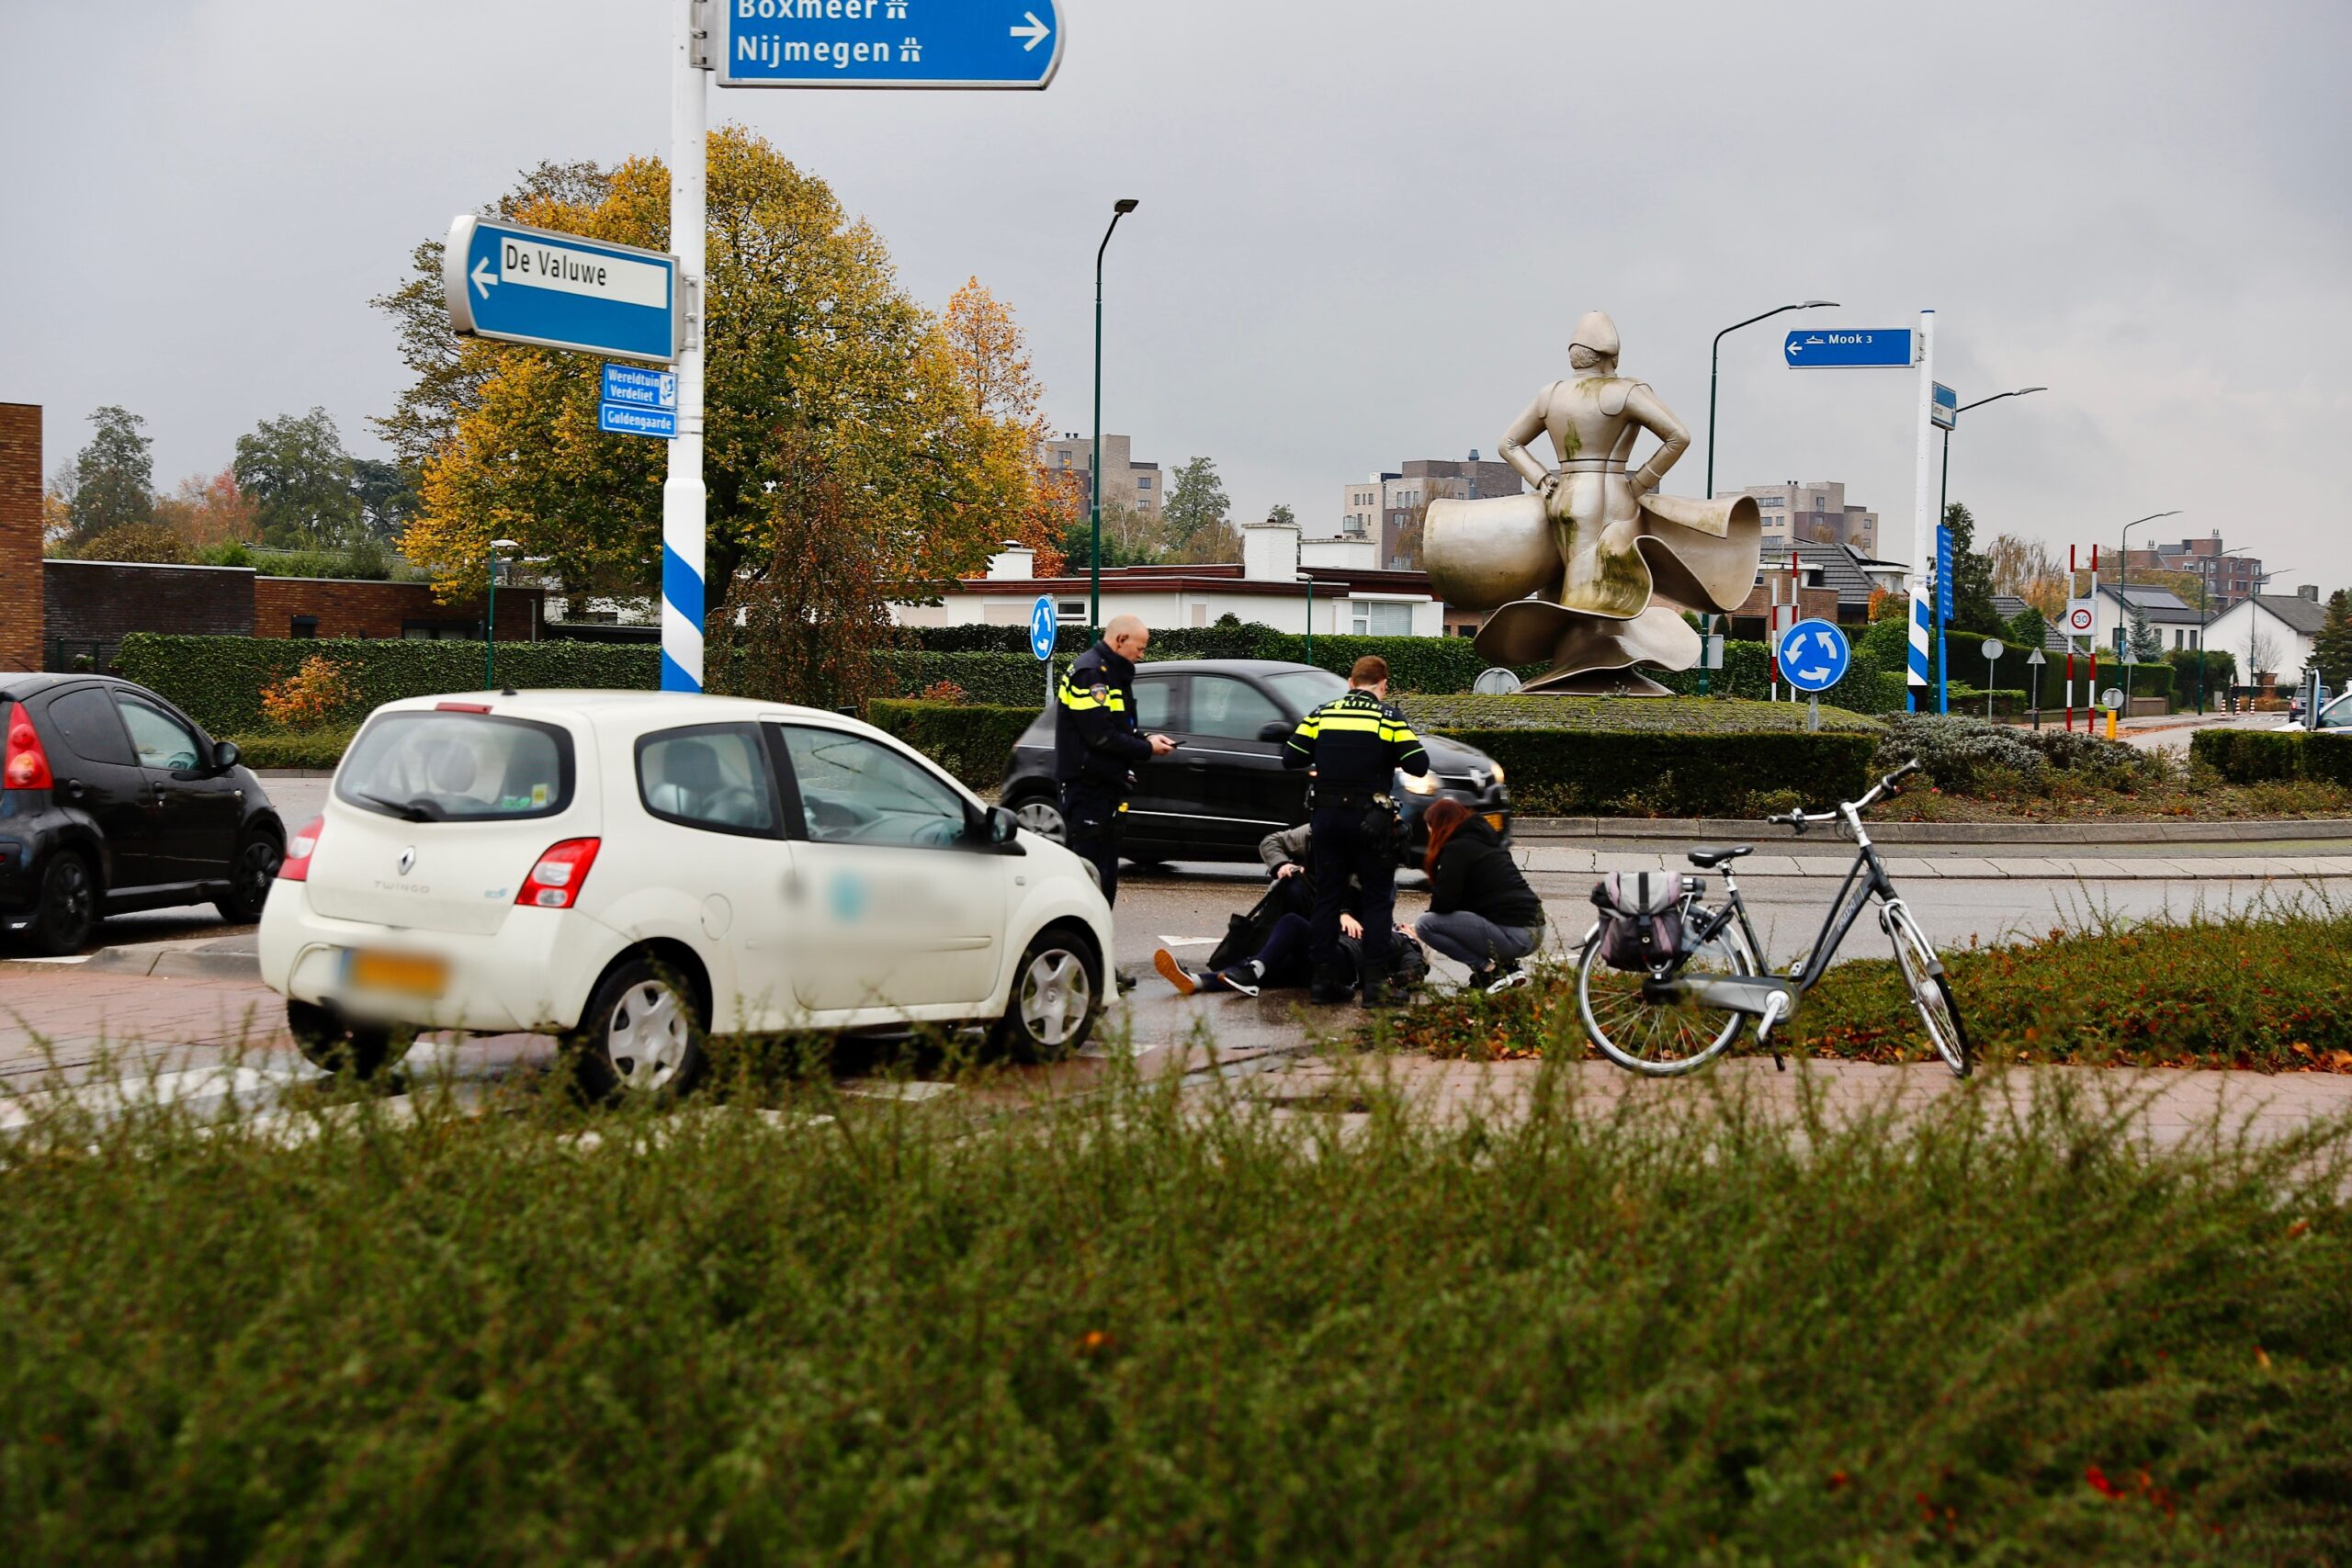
[
  {"x": 1813, "y": 512},
  {"x": 1140, "y": 485},
  {"x": 1379, "y": 508},
  {"x": 2229, "y": 580}
]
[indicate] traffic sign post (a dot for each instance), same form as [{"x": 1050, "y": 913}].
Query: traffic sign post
[
  {"x": 639, "y": 403},
  {"x": 2034, "y": 661},
  {"x": 551, "y": 290},
  {"x": 1813, "y": 655},
  {"x": 1009, "y": 44},
  {"x": 1943, "y": 612},
  {"x": 1991, "y": 649},
  {"x": 1944, "y": 412},
  {"x": 1044, "y": 624}
]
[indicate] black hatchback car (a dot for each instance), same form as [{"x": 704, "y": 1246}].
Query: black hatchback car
[
  {"x": 111, "y": 799},
  {"x": 1225, "y": 787}
]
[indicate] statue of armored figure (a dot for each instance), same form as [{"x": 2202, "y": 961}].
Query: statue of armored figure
[{"x": 1592, "y": 569}]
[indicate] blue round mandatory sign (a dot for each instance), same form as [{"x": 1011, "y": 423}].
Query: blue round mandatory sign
[
  {"x": 1044, "y": 621},
  {"x": 1813, "y": 655}
]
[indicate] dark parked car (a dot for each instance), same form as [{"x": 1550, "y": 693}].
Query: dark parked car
[
  {"x": 111, "y": 799},
  {"x": 1225, "y": 787}
]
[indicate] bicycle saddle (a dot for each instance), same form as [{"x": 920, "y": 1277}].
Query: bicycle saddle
[{"x": 1705, "y": 855}]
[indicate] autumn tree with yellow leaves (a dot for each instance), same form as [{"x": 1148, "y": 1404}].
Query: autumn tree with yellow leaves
[
  {"x": 818, "y": 362},
  {"x": 992, "y": 361}
]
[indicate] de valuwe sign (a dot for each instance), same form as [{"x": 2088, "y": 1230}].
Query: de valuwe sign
[{"x": 552, "y": 290}]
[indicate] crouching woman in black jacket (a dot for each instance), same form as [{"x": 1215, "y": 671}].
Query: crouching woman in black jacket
[{"x": 1482, "y": 912}]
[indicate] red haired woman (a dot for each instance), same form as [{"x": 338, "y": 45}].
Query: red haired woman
[{"x": 1482, "y": 913}]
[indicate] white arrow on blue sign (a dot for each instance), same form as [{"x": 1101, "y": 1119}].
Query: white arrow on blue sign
[
  {"x": 1044, "y": 623},
  {"x": 552, "y": 290},
  {"x": 1813, "y": 656},
  {"x": 890, "y": 43}
]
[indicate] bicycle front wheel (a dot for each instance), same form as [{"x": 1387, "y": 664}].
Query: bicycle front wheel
[
  {"x": 1930, "y": 991},
  {"x": 1654, "y": 1037}
]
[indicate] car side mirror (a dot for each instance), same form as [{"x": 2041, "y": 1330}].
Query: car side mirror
[
  {"x": 1275, "y": 730},
  {"x": 225, "y": 755},
  {"x": 1001, "y": 825}
]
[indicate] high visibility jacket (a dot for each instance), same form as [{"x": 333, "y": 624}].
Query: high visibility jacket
[
  {"x": 1095, "y": 738},
  {"x": 1357, "y": 745}
]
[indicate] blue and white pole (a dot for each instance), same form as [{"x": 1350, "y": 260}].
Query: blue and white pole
[
  {"x": 684, "y": 499},
  {"x": 1923, "y": 515}
]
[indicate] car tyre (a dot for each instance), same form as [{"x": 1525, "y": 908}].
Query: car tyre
[
  {"x": 1056, "y": 994},
  {"x": 66, "y": 916},
  {"x": 1042, "y": 814},
  {"x": 249, "y": 875},
  {"x": 332, "y": 1044},
  {"x": 642, "y": 1034}
]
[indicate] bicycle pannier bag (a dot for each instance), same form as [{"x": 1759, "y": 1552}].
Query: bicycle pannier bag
[{"x": 1640, "y": 927}]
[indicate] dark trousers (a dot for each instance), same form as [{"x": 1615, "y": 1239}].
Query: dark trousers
[
  {"x": 1283, "y": 960},
  {"x": 1350, "y": 840},
  {"x": 1090, "y": 814}
]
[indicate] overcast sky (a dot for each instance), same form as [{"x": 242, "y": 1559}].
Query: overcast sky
[{"x": 1367, "y": 228}]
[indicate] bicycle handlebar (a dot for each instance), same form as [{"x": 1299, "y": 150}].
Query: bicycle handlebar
[{"x": 1890, "y": 785}]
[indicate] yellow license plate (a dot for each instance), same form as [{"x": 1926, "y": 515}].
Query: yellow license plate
[
  {"x": 1495, "y": 820},
  {"x": 406, "y": 974}
]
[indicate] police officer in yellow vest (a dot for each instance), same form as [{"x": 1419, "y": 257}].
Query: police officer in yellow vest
[
  {"x": 1357, "y": 745},
  {"x": 1096, "y": 743}
]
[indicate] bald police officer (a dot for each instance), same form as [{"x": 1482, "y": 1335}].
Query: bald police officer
[
  {"x": 1357, "y": 744},
  {"x": 1097, "y": 744}
]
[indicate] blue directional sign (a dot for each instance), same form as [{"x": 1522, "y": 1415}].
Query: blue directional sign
[
  {"x": 553, "y": 290},
  {"x": 1944, "y": 410},
  {"x": 1044, "y": 621},
  {"x": 641, "y": 388},
  {"x": 890, "y": 43},
  {"x": 1848, "y": 346},
  {"x": 1943, "y": 571},
  {"x": 1813, "y": 656},
  {"x": 627, "y": 419}
]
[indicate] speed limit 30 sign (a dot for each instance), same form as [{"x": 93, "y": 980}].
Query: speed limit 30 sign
[{"x": 2081, "y": 619}]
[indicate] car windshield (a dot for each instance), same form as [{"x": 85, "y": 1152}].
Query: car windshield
[
  {"x": 449, "y": 767},
  {"x": 1307, "y": 689}
]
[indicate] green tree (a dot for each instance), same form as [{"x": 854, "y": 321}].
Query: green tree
[
  {"x": 2332, "y": 648},
  {"x": 1197, "y": 522},
  {"x": 1282, "y": 513},
  {"x": 1972, "y": 577},
  {"x": 2147, "y": 644},
  {"x": 2029, "y": 628},
  {"x": 300, "y": 478},
  {"x": 387, "y": 496},
  {"x": 113, "y": 477},
  {"x": 815, "y": 354}
]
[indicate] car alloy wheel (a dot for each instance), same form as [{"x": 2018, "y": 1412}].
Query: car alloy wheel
[
  {"x": 249, "y": 878},
  {"x": 1042, "y": 817},
  {"x": 68, "y": 908},
  {"x": 647, "y": 1032},
  {"x": 1052, "y": 1003}
]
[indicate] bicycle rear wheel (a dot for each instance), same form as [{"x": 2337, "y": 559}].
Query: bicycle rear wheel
[
  {"x": 1930, "y": 992},
  {"x": 1660, "y": 1038}
]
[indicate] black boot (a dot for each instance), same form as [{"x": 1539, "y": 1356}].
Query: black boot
[
  {"x": 1324, "y": 988},
  {"x": 1377, "y": 991}
]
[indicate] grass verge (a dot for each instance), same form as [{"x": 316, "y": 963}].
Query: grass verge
[
  {"x": 2268, "y": 988},
  {"x": 1157, "y": 1327}
]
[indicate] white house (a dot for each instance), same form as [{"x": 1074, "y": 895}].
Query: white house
[
  {"x": 1274, "y": 585},
  {"x": 2280, "y": 626}
]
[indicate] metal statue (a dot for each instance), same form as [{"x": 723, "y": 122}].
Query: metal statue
[{"x": 1579, "y": 566}]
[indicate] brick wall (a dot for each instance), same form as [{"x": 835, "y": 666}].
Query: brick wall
[
  {"x": 20, "y": 574},
  {"x": 94, "y": 603},
  {"x": 382, "y": 609}
]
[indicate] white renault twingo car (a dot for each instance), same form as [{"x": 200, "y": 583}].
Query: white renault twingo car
[{"x": 633, "y": 871}]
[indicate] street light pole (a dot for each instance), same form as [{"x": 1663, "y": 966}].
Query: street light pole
[
  {"x": 1714, "y": 353},
  {"x": 490, "y": 617},
  {"x": 2123, "y": 580},
  {"x": 1943, "y": 504},
  {"x": 1119, "y": 210}
]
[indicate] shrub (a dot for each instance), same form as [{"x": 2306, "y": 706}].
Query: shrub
[
  {"x": 2268, "y": 756},
  {"x": 972, "y": 742},
  {"x": 1969, "y": 756},
  {"x": 942, "y": 691},
  {"x": 318, "y": 749},
  {"x": 1662, "y": 772},
  {"x": 321, "y": 689}
]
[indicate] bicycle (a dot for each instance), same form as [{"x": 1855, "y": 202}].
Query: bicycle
[{"x": 1686, "y": 1011}]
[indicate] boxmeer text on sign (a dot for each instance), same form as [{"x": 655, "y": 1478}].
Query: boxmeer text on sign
[
  {"x": 552, "y": 290},
  {"x": 890, "y": 43}
]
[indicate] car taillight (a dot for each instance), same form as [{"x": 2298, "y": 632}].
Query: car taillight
[
  {"x": 27, "y": 766},
  {"x": 296, "y": 866},
  {"x": 554, "y": 882}
]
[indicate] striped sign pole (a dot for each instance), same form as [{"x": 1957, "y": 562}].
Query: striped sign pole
[
  {"x": 684, "y": 499},
  {"x": 1924, "y": 520}
]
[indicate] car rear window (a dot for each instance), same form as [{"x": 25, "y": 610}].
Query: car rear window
[
  {"x": 457, "y": 767},
  {"x": 1309, "y": 689}
]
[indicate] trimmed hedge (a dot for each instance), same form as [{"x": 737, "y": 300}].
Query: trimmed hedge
[
  {"x": 1624, "y": 716},
  {"x": 1568, "y": 772},
  {"x": 2274, "y": 756},
  {"x": 218, "y": 680},
  {"x": 973, "y": 742},
  {"x": 319, "y": 748}
]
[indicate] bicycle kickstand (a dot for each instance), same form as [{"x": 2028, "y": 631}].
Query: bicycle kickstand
[{"x": 1775, "y": 1008}]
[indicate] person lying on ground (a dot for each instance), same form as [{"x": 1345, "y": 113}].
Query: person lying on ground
[
  {"x": 1267, "y": 946},
  {"x": 1482, "y": 913}
]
